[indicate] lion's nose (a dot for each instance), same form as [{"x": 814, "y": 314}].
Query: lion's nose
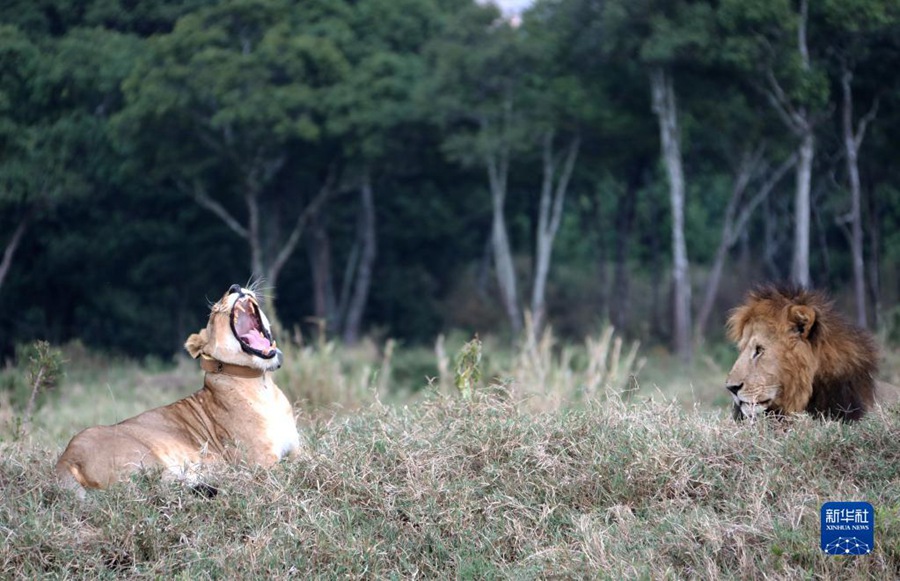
[
  {"x": 734, "y": 387},
  {"x": 235, "y": 288}
]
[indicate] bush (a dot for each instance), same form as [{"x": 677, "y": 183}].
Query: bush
[{"x": 37, "y": 370}]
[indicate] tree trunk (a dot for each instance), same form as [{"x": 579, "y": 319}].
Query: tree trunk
[
  {"x": 626, "y": 212},
  {"x": 362, "y": 280},
  {"x": 13, "y": 244},
  {"x": 853, "y": 138},
  {"x": 856, "y": 235},
  {"x": 498, "y": 168},
  {"x": 593, "y": 222},
  {"x": 257, "y": 266},
  {"x": 802, "y": 124},
  {"x": 873, "y": 229},
  {"x": 483, "y": 274},
  {"x": 802, "y": 211},
  {"x": 324, "y": 305},
  {"x": 666, "y": 111},
  {"x": 553, "y": 194},
  {"x": 657, "y": 265}
]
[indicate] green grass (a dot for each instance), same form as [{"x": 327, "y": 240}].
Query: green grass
[{"x": 442, "y": 487}]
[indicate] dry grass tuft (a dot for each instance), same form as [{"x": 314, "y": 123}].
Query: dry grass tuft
[
  {"x": 326, "y": 376},
  {"x": 548, "y": 377}
]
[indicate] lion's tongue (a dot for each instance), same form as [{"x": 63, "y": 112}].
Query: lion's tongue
[{"x": 256, "y": 340}]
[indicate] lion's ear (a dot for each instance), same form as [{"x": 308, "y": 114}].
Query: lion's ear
[
  {"x": 802, "y": 318},
  {"x": 196, "y": 342}
]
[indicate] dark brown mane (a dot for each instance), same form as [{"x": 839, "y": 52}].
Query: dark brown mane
[{"x": 846, "y": 356}]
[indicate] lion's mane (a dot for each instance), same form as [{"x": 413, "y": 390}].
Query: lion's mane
[{"x": 843, "y": 360}]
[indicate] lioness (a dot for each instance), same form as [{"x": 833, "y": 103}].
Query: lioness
[{"x": 239, "y": 414}]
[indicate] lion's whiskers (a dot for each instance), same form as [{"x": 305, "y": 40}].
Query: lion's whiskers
[{"x": 255, "y": 284}]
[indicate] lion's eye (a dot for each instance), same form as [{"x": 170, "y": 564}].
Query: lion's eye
[{"x": 758, "y": 351}]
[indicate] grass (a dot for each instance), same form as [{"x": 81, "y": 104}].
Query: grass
[{"x": 608, "y": 486}]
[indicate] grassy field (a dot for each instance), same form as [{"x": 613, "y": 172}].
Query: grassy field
[{"x": 558, "y": 465}]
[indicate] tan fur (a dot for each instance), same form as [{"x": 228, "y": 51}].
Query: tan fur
[
  {"x": 231, "y": 418},
  {"x": 798, "y": 354}
]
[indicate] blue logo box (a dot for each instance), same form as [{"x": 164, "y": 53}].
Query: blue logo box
[{"x": 848, "y": 528}]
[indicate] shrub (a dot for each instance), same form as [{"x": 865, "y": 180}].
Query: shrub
[{"x": 37, "y": 370}]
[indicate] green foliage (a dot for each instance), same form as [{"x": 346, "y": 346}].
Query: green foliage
[
  {"x": 467, "y": 377},
  {"x": 240, "y": 75},
  {"x": 41, "y": 139},
  {"x": 761, "y": 37},
  {"x": 38, "y": 370}
]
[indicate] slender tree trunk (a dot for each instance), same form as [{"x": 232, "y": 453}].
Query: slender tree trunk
[
  {"x": 363, "y": 277},
  {"x": 803, "y": 211},
  {"x": 666, "y": 111},
  {"x": 856, "y": 235},
  {"x": 873, "y": 230},
  {"x": 620, "y": 304},
  {"x": 802, "y": 124},
  {"x": 483, "y": 274},
  {"x": 320, "y": 260},
  {"x": 853, "y": 137},
  {"x": 257, "y": 266},
  {"x": 553, "y": 194},
  {"x": 771, "y": 244},
  {"x": 593, "y": 222},
  {"x": 657, "y": 265},
  {"x": 745, "y": 173},
  {"x": 13, "y": 244},
  {"x": 498, "y": 168}
]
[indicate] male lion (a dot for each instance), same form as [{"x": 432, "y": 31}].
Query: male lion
[
  {"x": 797, "y": 353},
  {"x": 239, "y": 414}
]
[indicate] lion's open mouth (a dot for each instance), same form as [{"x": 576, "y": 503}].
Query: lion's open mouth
[{"x": 247, "y": 325}]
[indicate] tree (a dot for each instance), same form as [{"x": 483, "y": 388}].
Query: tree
[
  {"x": 860, "y": 33},
  {"x": 476, "y": 92},
  {"x": 853, "y": 135},
  {"x": 232, "y": 95},
  {"x": 769, "y": 39},
  {"x": 666, "y": 110},
  {"x": 558, "y": 108},
  {"x": 557, "y": 172},
  {"x": 509, "y": 93},
  {"x": 367, "y": 114},
  {"x": 665, "y": 37}
]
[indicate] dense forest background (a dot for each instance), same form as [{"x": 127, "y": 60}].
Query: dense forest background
[{"x": 401, "y": 168}]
